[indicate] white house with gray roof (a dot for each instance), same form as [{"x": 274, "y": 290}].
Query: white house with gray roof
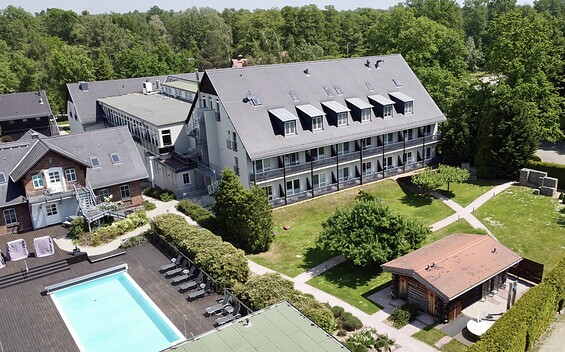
[
  {"x": 45, "y": 180},
  {"x": 300, "y": 130}
]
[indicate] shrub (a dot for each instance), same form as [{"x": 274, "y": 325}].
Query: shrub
[
  {"x": 552, "y": 169},
  {"x": 350, "y": 322},
  {"x": 221, "y": 260},
  {"x": 148, "y": 205},
  {"x": 159, "y": 193},
  {"x": 355, "y": 347},
  {"x": 341, "y": 333},
  {"x": 403, "y": 315},
  {"x": 337, "y": 311},
  {"x": 110, "y": 232},
  {"x": 77, "y": 228},
  {"x": 202, "y": 216},
  {"x": 135, "y": 241}
]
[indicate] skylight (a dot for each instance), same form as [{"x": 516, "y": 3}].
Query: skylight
[
  {"x": 2, "y": 177},
  {"x": 369, "y": 86},
  {"x": 94, "y": 161},
  {"x": 397, "y": 82},
  {"x": 115, "y": 158},
  {"x": 328, "y": 91},
  {"x": 255, "y": 100},
  {"x": 338, "y": 90},
  {"x": 293, "y": 96}
]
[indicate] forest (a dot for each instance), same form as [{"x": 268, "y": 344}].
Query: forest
[{"x": 495, "y": 68}]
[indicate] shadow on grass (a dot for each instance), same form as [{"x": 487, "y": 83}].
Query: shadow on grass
[
  {"x": 314, "y": 256},
  {"x": 351, "y": 276},
  {"x": 448, "y": 194},
  {"x": 411, "y": 198},
  {"x": 561, "y": 219}
]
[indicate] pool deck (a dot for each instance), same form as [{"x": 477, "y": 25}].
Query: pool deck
[{"x": 30, "y": 321}]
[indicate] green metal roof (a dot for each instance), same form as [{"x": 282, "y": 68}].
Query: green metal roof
[
  {"x": 278, "y": 328},
  {"x": 181, "y": 84}
]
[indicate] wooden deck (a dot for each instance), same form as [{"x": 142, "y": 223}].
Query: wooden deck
[{"x": 30, "y": 321}]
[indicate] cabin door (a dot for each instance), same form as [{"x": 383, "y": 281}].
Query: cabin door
[
  {"x": 431, "y": 303},
  {"x": 403, "y": 287},
  {"x": 454, "y": 310}
]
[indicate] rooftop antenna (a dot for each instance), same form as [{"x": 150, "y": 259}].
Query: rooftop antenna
[
  {"x": 377, "y": 63},
  {"x": 247, "y": 97},
  {"x": 306, "y": 72},
  {"x": 368, "y": 63}
]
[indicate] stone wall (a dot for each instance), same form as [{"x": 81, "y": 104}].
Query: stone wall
[{"x": 538, "y": 179}]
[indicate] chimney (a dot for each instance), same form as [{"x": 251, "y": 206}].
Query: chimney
[
  {"x": 34, "y": 135},
  {"x": 377, "y": 63},
  {"x": 41, "y": 101}
]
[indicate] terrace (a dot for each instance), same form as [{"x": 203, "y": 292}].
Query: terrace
[{"x": 30, "y": 320}]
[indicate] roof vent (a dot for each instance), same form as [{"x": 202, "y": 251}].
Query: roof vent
[
  {"x": 377, "y": 63},
  {"x": 494, "y": 250},
  {"x": 306, "y": 72},
  {"x": 368, "y": 64},
  {"x": 83, "y": 86},
  {"x": 34, "y": 135}
]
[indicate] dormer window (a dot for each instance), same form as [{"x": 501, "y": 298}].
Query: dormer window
[
  {"x": 311, "y": 116},
  {"x": 342, "y": 119},
  {"x": 317, "y": 123},
  {"x": 387, "y": 111},
  {"x": 360, "y": 109},
  {"x": 383, "y": 105},
  {"x": 365, "y": 115},
  {"x": 2, "y": 178},
  {"x": 404, "y": 102},
  {"x": 289, "y": 128},
  {"x": 337, "y": 113},
  {"x": 408, "y": 107},
  {"x": 94, "y": 161},
  {"x": 115, "y": 158}
]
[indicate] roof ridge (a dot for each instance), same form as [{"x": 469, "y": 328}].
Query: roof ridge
[{"x": 459, "y": 250}]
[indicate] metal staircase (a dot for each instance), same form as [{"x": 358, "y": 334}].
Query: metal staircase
[{"x": 89, "y": 207}]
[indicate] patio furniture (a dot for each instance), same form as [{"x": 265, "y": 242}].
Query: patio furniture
[
  {"x": 2, "y": 261},
  {"x": 186, "y": 274},
  {"x": 205, "y": 290},
  {"x": 192, "y": 284},
  {"x": 230, "y": 317},
  {"x": 43, "y": 246},
  {"x": 218, "y": 308},
  {"x": 173, "y": 264},
  {"x": 176, "y": 271},
  {"x": 478, "y": 328},
  {"x": 17, "y": 250}
]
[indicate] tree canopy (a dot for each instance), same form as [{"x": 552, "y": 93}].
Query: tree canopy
[{"x": 369, "y": 233}]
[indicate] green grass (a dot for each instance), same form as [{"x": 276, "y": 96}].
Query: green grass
[
  {"x": 465, "y": 193},
  {"x": 532, "y": 226},
  {"x": 293, "y": 251},
  {"x": 429, "y": 335},
  {"x": 460, "y": 226},
  {"x": 353, "y": 284},
  {"x": 454, "y": 346}
]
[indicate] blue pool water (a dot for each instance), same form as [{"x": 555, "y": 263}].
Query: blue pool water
[{"x": 113, "y": 314}]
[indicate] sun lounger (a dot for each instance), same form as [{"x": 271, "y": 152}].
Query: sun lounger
[
  {"x": 43, "y": 246},
  {"x": 17, "y": 250},
  {"x": 186, "y": 274},
  {"x": 218, "y": 308},
  {"x": 2, "y": 262},
  {"x": 205, "y": 290},
  {"x": 230, "y": 317},
  {"x": 192, "y": 284},
  {"x": 173, "y": 264},
  {"x": 176, "y": 271}
]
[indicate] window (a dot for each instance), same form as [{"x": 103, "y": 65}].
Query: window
[
  {"x": 343, "y": 148},
  {"x": 51, "y": 209},
  {"x": 236, "y": 165},
  {"x": 218, "y": 110},
  {"x": 291, "y": 159},
  {"x": 338, "y": 90},
  {"x": 389, "y": 138},
  {"x": 408, "y": 107},
  {"x": 387, "y": 111},
  {"x": 70, "y": 175},
  {"x": 366, "y": 115},
  {"x": 408, "y": 134},
  {"x": 366, "y": 142},
  {"x": 289, "y": 128},
  {"x": 292, "y": 187},
  {"x": 94, "y": 161},
  {"x": 103, "y": 194},
  {"x": 343, "y": 174},
  {"x": 269, "y": 192},
  {"x": 115, "y": 158},
  {"x": 166, "y": 135},
  {"x": 428, "y": 153},
  {"x": 293, "y": 96},
  {"x": 228, "y": 141},
  {"x": 186, "y": 178},
  {"x": 317, "y": 123},
  {"x": 37, "y": 181},
  {"x": 124, "y": 192},
  {"x": 369, "y": 86},
  {"x": 388, "y": 163},
  {"x": 10, "y": 216},
  {"x": 24, "y": 120},
  {"x": 2, "y": 177},
  {"x": 54, "y": 177},
  {"x": 329, "y": 91},
  {"x": 319, "y": 180},
  {"x": 428, "y": 130},
  {"x": 318, "y": 153},
  {"x": 263, "y": 165},
  {"x": 342, "y": 119},
  {"x": 407, "y": 158},
  {"x": 367, "y": 168}
]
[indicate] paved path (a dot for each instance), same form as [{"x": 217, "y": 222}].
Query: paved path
[
  {"x": 66, "y": 244},
  {"x": 552, "y": 152},
  {"x": 555, "y": 340}
]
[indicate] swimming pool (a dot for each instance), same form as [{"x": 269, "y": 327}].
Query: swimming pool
[{"x": 112, "y": 313}]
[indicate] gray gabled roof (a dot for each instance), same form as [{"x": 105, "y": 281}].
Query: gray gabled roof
[
  {"x": 15, "y": 106},
  {"x": 252, "y": 123},
  {"x": 31, "y": 134},
  {"x": 85, "y": 101}
]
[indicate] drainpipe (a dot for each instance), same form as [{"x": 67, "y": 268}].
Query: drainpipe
[{"x": 152, "y": 175}]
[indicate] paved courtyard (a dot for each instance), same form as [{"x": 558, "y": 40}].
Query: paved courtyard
[{"x": 552, "y": 152}]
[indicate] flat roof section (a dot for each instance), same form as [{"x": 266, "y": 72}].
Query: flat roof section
[
  {"x": 156, "y": 109},
  {"x": 184, "y": 85},
  {"x": 278, "y": 328}
]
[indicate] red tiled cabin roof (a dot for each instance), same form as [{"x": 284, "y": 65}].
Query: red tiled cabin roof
[{"x": 455, "y": 264}]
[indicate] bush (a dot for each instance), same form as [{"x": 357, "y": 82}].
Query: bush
[
  {"x": 363, "y": 340},
  {"x": 350, "y": 322},
  {"x": 110, "y": 232},
  {"x": 338, "y": 311},
  {"x": 202, "y": 216},
  {"x": 159, "y": 193},
  {"x": 77, "y": 228},
  {"x": 403, "y": 315},
  {"x": 148, "y": 205},
  {"x": 264, "y": 290},
  {"x": 552, "y": 169},
  {"x": 221, "y": 260},
  {"x": 135, "y": 241},
  {"x": 341, "y": 333}
]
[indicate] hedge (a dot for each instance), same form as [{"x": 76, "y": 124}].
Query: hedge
[
  {"x": 520, "y": 327},
  {"x": 264, "y": 290},
  {"x": 221, "y": 260},
  {"x": 202, "y": 216},
  {"x": 158, "y": 193},
  {"x": 552, "y": 169}
]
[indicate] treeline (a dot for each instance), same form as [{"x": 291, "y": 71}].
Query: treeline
[{"x": 517, "y": 50}]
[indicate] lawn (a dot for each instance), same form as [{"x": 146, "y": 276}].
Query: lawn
[
  {"x": 465, "y": 193},
  {"x": 353, "y": 284},
  {"x": 460, "y": 226},
  {"x": 293, "y": 251},
  {"x": 430, "y": 336},
  {"x": 532, "y": 226}
]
